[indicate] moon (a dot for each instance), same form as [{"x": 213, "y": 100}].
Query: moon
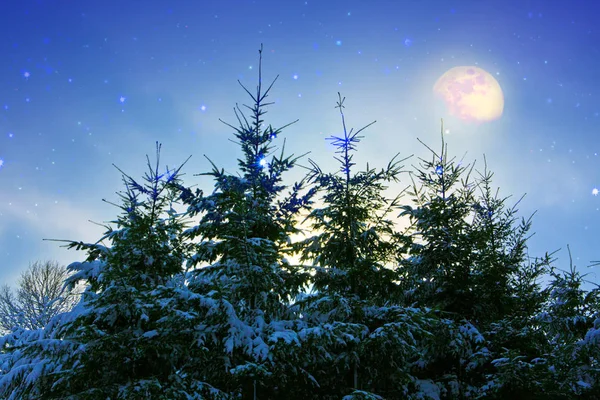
[{"x": 471, "y": 94}]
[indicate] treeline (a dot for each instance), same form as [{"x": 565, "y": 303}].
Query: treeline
[{"x": 206, "y": 304}]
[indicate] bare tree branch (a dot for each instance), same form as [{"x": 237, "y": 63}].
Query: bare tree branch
[{"x": 40, "y": 296}]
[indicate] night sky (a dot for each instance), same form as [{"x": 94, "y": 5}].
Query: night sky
[{"x": 85, "y": 84}]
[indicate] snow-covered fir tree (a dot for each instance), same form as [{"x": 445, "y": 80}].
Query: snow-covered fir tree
[
  {"x": 133, "y": 334},
  {"x": 463, "y": 257},
  {"x": 242, "y": 238},
  {"x": 353, "y": 248},
  {"x": 565, "y": 362},
  {"x": 370, "y": 343},
  {"x": 437, "y": 273}
]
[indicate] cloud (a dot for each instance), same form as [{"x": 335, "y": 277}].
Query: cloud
[{"x": 25, "y": 226}]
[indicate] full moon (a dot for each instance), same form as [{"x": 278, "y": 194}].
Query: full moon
[{"x": 471, "y": 94}]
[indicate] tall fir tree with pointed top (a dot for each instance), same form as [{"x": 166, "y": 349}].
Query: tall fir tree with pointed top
[
  {"x": 437, "y": 272},
  {"x": 353, "y": 248},
  {"x": 467, "y": 257},
  {"x": 133, "y": 333},
  {"x": 244, "y": 228},
  {"x": 365, "y": 341}
]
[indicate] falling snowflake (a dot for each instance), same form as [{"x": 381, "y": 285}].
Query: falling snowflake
[
  {"x": 595, "y": 191},
  {"x": 1, "y": 163}
]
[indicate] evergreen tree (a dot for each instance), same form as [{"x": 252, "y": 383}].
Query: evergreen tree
[
  {"x": 467, "y": 257},
  {"x": 505, "y": 282},
  {"x": 132, "y": 336},
  {"x": 353, "y": 248},
  {"x": 368, "y": 344},
  {"x": 244, "y": 229},
  {"x": 437, "y": 272},
  {"x": 568, "y": 351}
]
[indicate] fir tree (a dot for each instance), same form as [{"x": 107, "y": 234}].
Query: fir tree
[
  {"x": 437, "y": 271},
  {"x": 353, "y": 248},
  {"x": 244, "y": 229},
  {"x": 467, "y": 257},
  {"x": 569, "y": 355},
  {"x": 133, "y": 333},
  {"x": 566, "y": 352},
  {"x": 368, "y": 344}
]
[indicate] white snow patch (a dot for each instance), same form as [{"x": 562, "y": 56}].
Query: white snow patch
[
  {"x": 150, "y": 334},
  {"x": 428, "y": 389}
]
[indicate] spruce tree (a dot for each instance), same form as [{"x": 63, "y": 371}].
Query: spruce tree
[
  {"x": 467, "y": 257},
  {"x": 368, "y": 343},
  {"x": 568, "y": 353},
  {"x": 353, "y": 249},
  {"x": 244, "y": 234},
  {"x": 451, "y": 308},
  {"x": 437, "y": 271},
  {"x": 133, "y": 334},
  {"x": 563, "y": 361}
]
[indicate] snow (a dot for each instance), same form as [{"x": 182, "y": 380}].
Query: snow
[
  {"x": 469, "y": 330},
  {"x": 592, "y": 337},
  {"x": 362, "y": 395},
  {"x": 427, "y": 390},
  {"x": 500, "y": 361},
  {"x": 287, "y": 336},
  {"x": 150, "y": 334},
  {"x": 584, "y": 384}
]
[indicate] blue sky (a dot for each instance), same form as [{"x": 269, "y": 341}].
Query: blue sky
[{"x": 90, "y": 83}]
